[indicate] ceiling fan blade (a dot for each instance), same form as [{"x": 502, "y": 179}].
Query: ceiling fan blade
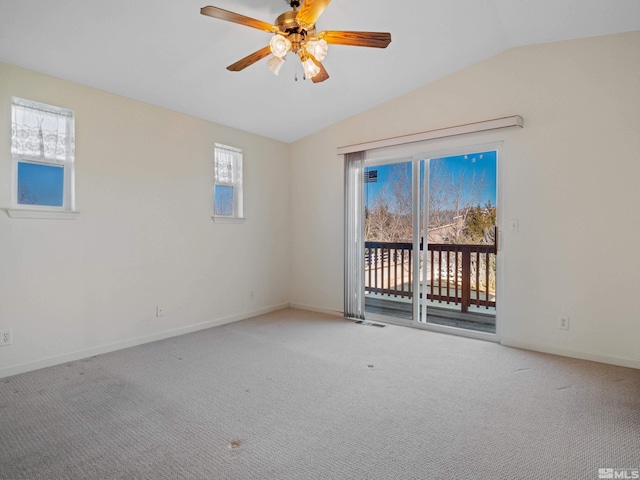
[
  {"x": 250, "y": 59},
  {"x": 322, "y": 75},
  {"x": 216, "y": 12},
  {"x": 311, "y": 11},
  {"x": 357, "y": 39}
]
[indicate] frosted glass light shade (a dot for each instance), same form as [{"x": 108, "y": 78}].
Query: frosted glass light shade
[
  {"x": 310, "y": 68},
  {"x": 317, "y": 48},
  {"x": 279, "y": 45},
  {"x": 275, "y": 64}
]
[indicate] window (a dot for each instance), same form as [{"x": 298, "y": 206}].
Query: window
[
  {"x": 227, "y": 189},
  {"x": 42, "y": 150}
]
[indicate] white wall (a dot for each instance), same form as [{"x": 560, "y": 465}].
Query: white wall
[
  {"x": 144, "y": 236},
  {"x": 571, "y": 178}
]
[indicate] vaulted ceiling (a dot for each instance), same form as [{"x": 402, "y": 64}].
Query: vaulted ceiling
[{"x": 165, "y": 53}]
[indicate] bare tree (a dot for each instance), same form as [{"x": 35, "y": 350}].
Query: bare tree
[
  {"x": 378, "y": 218},
  {"x": 25, "y": 197},
  {"x": 389, "y": 215},
  {"x": 451, "y": 198}
]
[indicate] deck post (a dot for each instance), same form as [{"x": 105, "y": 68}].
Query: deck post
[{"x": 466, "y": 279}]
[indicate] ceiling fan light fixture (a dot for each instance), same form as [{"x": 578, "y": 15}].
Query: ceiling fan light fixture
[
  {"x": 275, "y": 64},
  {"x": 310, "y": 68},
  {"x": 317, "y": 48},
  {"x": 280, "y": 45}
]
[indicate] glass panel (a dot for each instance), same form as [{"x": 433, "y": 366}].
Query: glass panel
[
  {"x": 223, "y": 200},
  {"x": 389, "y": 240},
  {"x": 460, "y": 261},
  {"x": 40, "y": 184}
]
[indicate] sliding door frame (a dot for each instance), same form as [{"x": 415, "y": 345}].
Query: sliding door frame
[{"x": 421, "y": 153}]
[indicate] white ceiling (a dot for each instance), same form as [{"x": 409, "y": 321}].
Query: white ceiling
[{"x": 165, "y": 53}]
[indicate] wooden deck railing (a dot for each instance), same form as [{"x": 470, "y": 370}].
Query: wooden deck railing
[{"x": 456, "y": 274}]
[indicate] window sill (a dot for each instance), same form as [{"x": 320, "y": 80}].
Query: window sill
[
  {"x": 219, "y": 219},
  {"x": 41, "y": 214}
]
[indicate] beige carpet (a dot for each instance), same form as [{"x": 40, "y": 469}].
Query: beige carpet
[{"x": 299, "y": 395}]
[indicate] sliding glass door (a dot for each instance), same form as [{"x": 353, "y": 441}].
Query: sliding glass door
[{"x": 429, "y": 229}]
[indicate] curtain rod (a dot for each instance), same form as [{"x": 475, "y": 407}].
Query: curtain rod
[{"x": 496, "y": 123}]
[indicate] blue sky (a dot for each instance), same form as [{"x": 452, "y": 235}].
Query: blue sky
[
  {"x": 44, "y": 183},
  {"x": 456, "y": 165},
  {"x": 474, "y": 162}
]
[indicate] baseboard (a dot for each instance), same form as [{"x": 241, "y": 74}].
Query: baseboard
[
  {"x": 90, "y": 352},
  {"x": 618, "y": 361},
  {"x": 300, "y": 306},
  {"x": 112, "y": 347}
]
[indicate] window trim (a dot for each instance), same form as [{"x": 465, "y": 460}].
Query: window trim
[
  {"x": 42, "y": 214},
  {"x": 225, "y": 219},
  {"x": 67, "y": 210},
  {"x": 238, "y": 208}
]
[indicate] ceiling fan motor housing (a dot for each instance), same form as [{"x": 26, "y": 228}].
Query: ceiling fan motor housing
[
  {"x": 287, "y": 21},
  {"x": 288, "y": 24}
]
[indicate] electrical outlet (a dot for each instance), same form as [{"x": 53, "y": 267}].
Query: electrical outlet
[
  {"x": 5, "y": 338},
  {"x": 159, "y": 311},
  {"x": 563, "y": 323}
]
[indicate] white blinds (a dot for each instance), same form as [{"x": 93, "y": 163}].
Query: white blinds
[
  {"x": 354, "y": 236},
  {"x": 41, "y": 134}
]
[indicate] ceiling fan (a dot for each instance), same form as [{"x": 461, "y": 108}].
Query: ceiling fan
[{"x": 295, "y": 31}]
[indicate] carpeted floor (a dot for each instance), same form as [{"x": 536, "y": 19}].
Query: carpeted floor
[{"x": 300, "y": 395}]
